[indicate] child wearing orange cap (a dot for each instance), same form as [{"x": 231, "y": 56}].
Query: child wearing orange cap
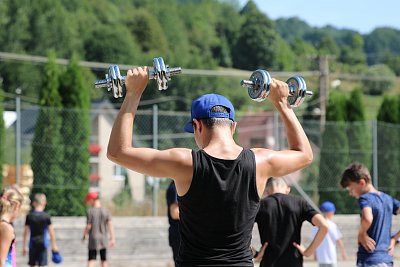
[{"x": 98, "y": 224}]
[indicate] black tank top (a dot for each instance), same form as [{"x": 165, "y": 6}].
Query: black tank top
[{"x": 217, "y": 213}]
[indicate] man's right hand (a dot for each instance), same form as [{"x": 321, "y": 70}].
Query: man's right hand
[{"x": 137, "y": 79}]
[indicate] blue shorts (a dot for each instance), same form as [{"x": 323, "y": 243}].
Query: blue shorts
[{"x": 37, "y": 256}]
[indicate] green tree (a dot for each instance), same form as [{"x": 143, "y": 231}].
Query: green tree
[
  {"x": 257, "y": 43},
  {"x": 353, "y": 54},
  {"x": 388, "y": 144},
  {"x": 393, "y": 62},
  {"x": 328, "y": 46},
  {"x": 285, "y": 58},
  {"x": 169, "y": 14},
  {"x": 357, "y": 130},
  {"x": 2, "y": 135},
  {"x": 227, "y": 29},
  {"x": 304, "y": 52},
  {"x": 382, "y": 79},
  {"x": 380, "y": 42},
  {"x": 47, "y": 148},
  {"x": 334, "y": 155},
  {"x": 102, "y": 45},
  {"x": 292, "y": 29},
  {"x": 53, "y": 28},
  {"x": 147, "y": 30},
  {"x": 75, "y": 133}
]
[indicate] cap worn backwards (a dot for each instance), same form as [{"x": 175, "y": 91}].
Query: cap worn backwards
[{"x": 201, "y": 109}]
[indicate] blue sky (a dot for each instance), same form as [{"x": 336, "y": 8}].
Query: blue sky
[{"x": 360, "y": 15}]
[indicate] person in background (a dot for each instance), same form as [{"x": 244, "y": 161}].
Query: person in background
[
  {"x": 326, "y": 252},
  {"x": 376, "y": 245},
  {"x": 279, "y": 222},
  {"x": 173, "y": 219},
  {"x": 99, "y": 227},
  {"x": 38, "y": 225},
  {"x": 11, "y": 200}
]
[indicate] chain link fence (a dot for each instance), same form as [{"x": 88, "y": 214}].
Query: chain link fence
[{"x": 335, "y": 145}]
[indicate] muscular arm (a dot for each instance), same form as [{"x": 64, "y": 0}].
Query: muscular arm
[
  {"x": 175, "y": 163},
  {"x": 366, "y": 221},
  {"x": 299, "y": 155},
  {"x": 319, "y": 221}
]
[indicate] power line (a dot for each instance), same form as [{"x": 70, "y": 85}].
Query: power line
[
  {"x": 5, "y": 56},
  {"x": 227, "y": 72}
]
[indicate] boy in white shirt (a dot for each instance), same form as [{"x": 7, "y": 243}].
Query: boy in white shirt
[{"x": 326, "y": 252}]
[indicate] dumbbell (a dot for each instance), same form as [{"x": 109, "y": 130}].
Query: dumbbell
[
  {"x": 161, "y": 72},
  {"x": 258, "y": 87}
]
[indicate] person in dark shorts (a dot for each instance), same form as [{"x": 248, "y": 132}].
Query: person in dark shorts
[
  {"x": 375, "y": 243},
  {"x": 38, "y": 225},
  {"x": 173, "y": 220},
  {"x": 219, "y": 187},
  {"x": 98, "y": 225},
  {"x": 279, "y": 222}
]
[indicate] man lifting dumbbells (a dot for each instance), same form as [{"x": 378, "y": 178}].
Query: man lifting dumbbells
[{"x": 219, "y": 187}]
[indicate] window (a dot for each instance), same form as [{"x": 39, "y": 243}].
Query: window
[{"x": 119, "y": 172}]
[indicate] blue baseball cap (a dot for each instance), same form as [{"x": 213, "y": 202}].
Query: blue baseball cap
[
  {"x": 328, "y": 206},
  {"x": 201, "y": 109}
]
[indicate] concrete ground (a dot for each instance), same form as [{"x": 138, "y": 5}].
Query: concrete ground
[{"x": 350, "y": 263}]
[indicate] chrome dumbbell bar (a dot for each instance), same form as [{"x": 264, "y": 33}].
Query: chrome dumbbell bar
[
  {"x": 258, "y": 87},
  {"x": 161, "y": 72}
]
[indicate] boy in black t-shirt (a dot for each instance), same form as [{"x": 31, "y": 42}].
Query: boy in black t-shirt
[
  {"x": 38, "y": 224},
  {"x": 279, "y": 221}
]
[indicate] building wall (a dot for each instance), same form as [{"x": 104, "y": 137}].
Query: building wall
[
  {"x": 111, "y": 184},
  {"x": 257, "y": 130}
]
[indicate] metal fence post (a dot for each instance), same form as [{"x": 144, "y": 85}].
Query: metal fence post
[
  {"x": 375, "y": 153},
  {"x": 18, "y": 137},
  {"x": 277, "y": 131},
  {"x": 156, "y": 181}
]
